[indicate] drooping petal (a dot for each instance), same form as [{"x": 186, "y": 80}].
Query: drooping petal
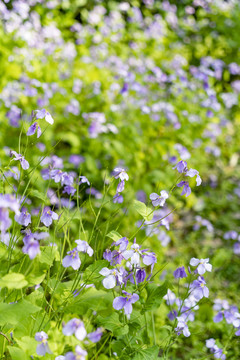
[
  {"x": 119, "y": 302},
  {"x": 109, "y": 282}
]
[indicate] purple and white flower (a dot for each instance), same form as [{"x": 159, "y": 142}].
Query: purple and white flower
[
  {"x": 24, "y": 163},
  {"x": 159, "y": 200},
  {"x": 48, "y": 216},
  {"x": 125, "y": 302},
  {"x": 202, "y": 265},
  {"x": 42, "y": 348},
  {"x": 112, "y": 278},
  {"x": 120, "y": 173},
  {"x": 82, "y": 246},
  {"x": 75, "y": 326},
  {"x": 72, "y": 259}
]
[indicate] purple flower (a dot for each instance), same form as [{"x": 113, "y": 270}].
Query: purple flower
[
  {"x": 31, "y": 245},
  {"x": 33, "y": 128},
  {"x": 48, "y": 216},
  {"x": 125, "y": 303},
  {"x": 148, "y": 259},
  {"x": 107, "y": 255},
  {"x": 83, "y": 180},
  {"x": 76, "y": 160},
  {"x": 123, "y": 242},
  {"x": 120, "y": 173},
  {"x": 75, "y": 326},
  {"x": 72, "y": 259},
  {"x": 172, "y": 315},
  {"x": 80, "y": 354},
  {"x": 180, "y": 273},
  {"x": 24, "y": 218},
  {"x": 159, "y": 200},
  {"x": 70, "y": 190},
  {"x": 182, "y": 327},
  {"x": 181, "y": 166},
  {"x": 112, "y": 277},
  {"x": 95, "y": 336},
  {"x": 202, "y": 265},
  {"x": 140, "y": 275},
  {"x": 192, "y": 173},
  {"x": 42, "y": 348},
  {"x": 10, "y": 201},
  {"x": 118, "y": 198},
  {"x": 24, "y": 163},
  {"x": 83, "y": 246},
  {"x": 186, "y": 188},
  {"x": 199, "y": 288},
  {"x": 41, "y": 114},
  {"x": 120, "y": 186}
]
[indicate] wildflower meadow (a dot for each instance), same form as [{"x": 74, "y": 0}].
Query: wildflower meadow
[{"x": 119, "y": 179}]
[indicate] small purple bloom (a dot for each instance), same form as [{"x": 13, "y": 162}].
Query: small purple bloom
[
  {"x": 118, "y": 198},
  {"x": 159, "y": 200},
  {"x": 41, "y": 114},
  {"x": 48, "y": 216},
  {"x": 192, "y": 173},
  {"x": 140, "y": 275},
  {"x": 125, "y": 303},
  {"x": 186, "y": 188},
  {"x": 75, "y": 326},
  {"x": 24, "y": 218},
  {"x": 112, "y": 277},
  {"x": 202, "y": 265},
  {"x": 31, "y": 245},
  {"x": 181, "y": 166},
  {"x": 95, "y": 336},
  {"x": 42, "y": 348},
  {"x": 83, "y": 180},
  {"x": 80, "y": 354},
  {"x": 70, "y": 190},
  {"x": 120, "y": 186},
  {"x": 33, "y": 128},
  {"x": 120, "y": 173},
  {"x": 172, "y": 315},
  {"x": 83, "y": 246},
  {"x": 72, "y": 259},
  {"x": 107, "y": 255},
  {"x": 24, "y": 163},
  {"x": 180, "y": 273},
  {"x": 182, "y": 327},
  {"x": 199, "y": 288}
]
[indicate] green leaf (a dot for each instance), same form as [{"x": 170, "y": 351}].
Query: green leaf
[
  {"x": 147, "y": 354},
  {"x": 48, "y": 254},
  {"x": 91, "y": 273},
  {"x": 114, "y": 235},
  {"x": 113, "y": 324},
  {"x": 97, "y": 300},
  {"x": 142, "y": 209},
  {"x": 17, "y": 354},
  {"x": 38, "y": 194},
  {"x": 13, "y": 281},
  {"x": 16, "y": 312},
  {"x": 155, "y": 295}
]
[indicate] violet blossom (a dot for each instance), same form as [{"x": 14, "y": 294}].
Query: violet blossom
[
  {"x": 75, "y": 326},
  {"x": 33, "y": 128},
  {"x": 202, "y": 265},
  {"x": 125, "y": 302},
  {"x": 48, "y": 216},
  {"x": 159, "y": 200},
  {"x": 42, "y": 348},
  {"x": 72, "y": 259},
  {"x": 24, "y": 163}
]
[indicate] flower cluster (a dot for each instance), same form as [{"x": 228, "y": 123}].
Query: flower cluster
[
  {"x": 72, "y": 258},
  {"x": 196, "y": 291},
  {"x": 181, "y": 167},
  {"x": 138, "y": 262}
]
